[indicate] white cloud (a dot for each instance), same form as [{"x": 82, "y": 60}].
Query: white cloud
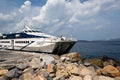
[
  {"x": 18, "y": 17},
  {"x": 25, "y": 7},
  {"x": 68, "y": 12},
  {"x": 62, "y": 16}
]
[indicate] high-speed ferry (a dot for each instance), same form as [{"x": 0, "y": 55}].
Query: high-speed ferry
[{"x": 35, "y": 40}]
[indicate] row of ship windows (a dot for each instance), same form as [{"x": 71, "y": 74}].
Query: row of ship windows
[
  {"x": 4, "y": 41},
  {"x": 15, "y": 41},
  {"x": 22, "y": 41}
]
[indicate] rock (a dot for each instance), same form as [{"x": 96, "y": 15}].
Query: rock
[
  {"x": 28, "y": 70},
  {"x": 110, "y": 61},
  {"x": 75, "y": 56},
  {"x": 61, "y": 72},
  {"x": 62, "y": 78},
  {"x": 73, "y": 69},
  {"x": 14, "y": 73},
  {"x": 45, "y": 66},
  {"x": 50, "y": 68},
  {"x": 2, "y": 78},
  {"x": 46, "y": 59},
  {"x": 85, "y": 71},
  {"x": 48, "y": 76},
  {"x": 9, "y": 66},
  {"x": 118, "y": 67},
  {"x": 87, "y": 77},
  {"x": 87, "y": 64},
  {"x": 14, "y": 79},
  {"x": 38, "y": 77},
  {"x": 3, "y": 72},
  {"x": 105, "y": 78},
  {"x": 56, "y": 57},
  {"x": 64, "y": 58},
  {"x": 35, "y": 63},
  {"x": 110, "y": 71},
  {"x": 75, "y": 78},
  {"x": 105, "y": 63},
  {"x": 94, "y": 61},
  {"x": 117, "y": 78},
  {"x": 22, "y": 65},
  {"x": 26, "y": 76},
  {"x": 91, "y": 68}
]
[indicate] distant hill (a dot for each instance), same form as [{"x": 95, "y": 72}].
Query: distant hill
[
  {"x": 117, "y": 39},
  {"x": 83, "y": 40}
]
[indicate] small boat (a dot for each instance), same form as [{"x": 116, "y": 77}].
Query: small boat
[{"x": 35, "y": 40}]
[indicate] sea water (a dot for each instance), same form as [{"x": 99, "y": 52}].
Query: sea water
[{"x": 90, "y": 49}]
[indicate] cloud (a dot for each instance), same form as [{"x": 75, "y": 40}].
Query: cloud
[
  {"x": 17, "y": 18},
  {"x": 66, "y": 17},
  {"x": 56, "y": 15},
  {"x": 25, "y": 7}
]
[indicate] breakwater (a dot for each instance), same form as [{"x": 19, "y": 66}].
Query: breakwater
[{"x": 71, "y": 66}]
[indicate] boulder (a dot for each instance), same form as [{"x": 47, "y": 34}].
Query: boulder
[
  {"x": 110, "y": 61},
  {"x": 14, "y": 79},
  {"x": 22, "y": 65},
  {"x": 87, "y": 64},
  {"x": 63, "y": 58},
  {"x": 87, "y": 77},
  {"x": 75, "y": 56},
  {"x": 62, "y": 73},
  {"x": 102, "y": 78},
  {"x": 26, "y": 76},
  {"x": 73, "y": 69},
  {"x": 50, "y": 68},
  {"x": 14, "y": 73},
  {"x": 75, "y": 78},
  {"x": 61, "y": 70},
  {"x": 85, "y": 71},
  {"x": 2, "y": 78},
  {"x": 117, "y": 78},
  {"x": 47, "y": 59},
  {"x": 94, "y": 61},
  {"x": 110, "y": 71},
  {"x": 105, "y": 78},
  {"x": 29, "y": 69},
  {"x": 38, "y": 77},
  {"x": 35, "y": 63},
  {"x": 3, "y": 72},
  {"x": 62, "y": 78}
]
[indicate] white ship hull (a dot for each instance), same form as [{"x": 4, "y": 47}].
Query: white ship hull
[{"x": 39, "y": 45}]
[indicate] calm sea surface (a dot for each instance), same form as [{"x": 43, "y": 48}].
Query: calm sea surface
[{"x": 98, "y": 48}]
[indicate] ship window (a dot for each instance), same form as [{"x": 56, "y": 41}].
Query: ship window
[
  {"x": 29, "y": 31},
  {"x": 4, "y": 41},
  {"x": 33, "y": 31},
  {"x": 25, "y": 31},
  {"x": 21, "y": 41}
]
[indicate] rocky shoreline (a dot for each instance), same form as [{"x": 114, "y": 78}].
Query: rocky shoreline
[{"x": 69, "y": 66}]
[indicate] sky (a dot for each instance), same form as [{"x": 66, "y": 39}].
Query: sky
[{"x": 81, "y": 19}]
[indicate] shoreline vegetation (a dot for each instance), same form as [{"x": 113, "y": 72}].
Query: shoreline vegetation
[{"x": 15, "y": 65}]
